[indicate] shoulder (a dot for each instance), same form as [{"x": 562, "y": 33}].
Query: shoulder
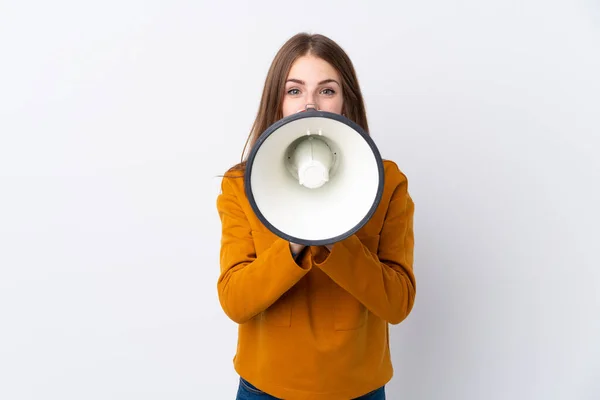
[
  {"x": 232, "y": 181},
  {"x": 393, "y": 174},
  {"x": 395, "y": 188}
]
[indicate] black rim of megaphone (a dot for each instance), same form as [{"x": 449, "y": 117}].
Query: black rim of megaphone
[{"x": 311, "y": 113}]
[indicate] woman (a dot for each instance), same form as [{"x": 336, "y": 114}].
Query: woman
[{"x": 313, "y": 322}]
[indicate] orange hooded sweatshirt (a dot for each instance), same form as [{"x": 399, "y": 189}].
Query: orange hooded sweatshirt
[{"x": 316, "y": 327}]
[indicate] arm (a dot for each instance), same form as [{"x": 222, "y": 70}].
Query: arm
[
  {"x": 248, "y": 284},
  {"x": 383, "y": 282}
]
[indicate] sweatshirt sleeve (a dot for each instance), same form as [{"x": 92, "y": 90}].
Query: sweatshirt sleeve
[
  {"x": 383, "y": 282},
  {"x": 248, "y": 284}
]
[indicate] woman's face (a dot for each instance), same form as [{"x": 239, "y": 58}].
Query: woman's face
[{"x": 312, "y": 81}]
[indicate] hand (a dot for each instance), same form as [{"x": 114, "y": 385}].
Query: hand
[{"x": 296, "y": 248}]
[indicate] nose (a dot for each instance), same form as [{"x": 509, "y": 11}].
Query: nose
[
  {"x": 311, "y": 100},
  {"x": 309, "y": 105}
]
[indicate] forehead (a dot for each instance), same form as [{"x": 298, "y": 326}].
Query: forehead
[{"x": 310, "y": 68}]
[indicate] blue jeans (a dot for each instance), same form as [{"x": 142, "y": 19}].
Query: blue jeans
[{"x": 247, "y": 391}]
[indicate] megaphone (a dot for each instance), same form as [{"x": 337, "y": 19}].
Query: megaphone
[{"x": 314, "y": 177}]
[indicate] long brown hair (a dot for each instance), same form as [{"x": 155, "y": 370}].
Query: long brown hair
[{"x": 301, "y": 44}]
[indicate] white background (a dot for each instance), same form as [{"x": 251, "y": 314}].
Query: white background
[{"x": 117, "y": 116}]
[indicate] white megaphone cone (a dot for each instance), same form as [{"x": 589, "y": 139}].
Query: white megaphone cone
[{"x": 314, "y": 177}]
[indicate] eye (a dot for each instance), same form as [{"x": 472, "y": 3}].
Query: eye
[
  {"x": 293, "y": 92},
  {"x": 328, "y": 92}
]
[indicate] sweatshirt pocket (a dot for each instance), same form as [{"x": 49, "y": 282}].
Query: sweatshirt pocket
[
  {"x": 280, "y": 312},
  {"x": 349, "y": 313}
]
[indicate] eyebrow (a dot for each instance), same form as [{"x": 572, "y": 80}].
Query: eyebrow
[{"x": 300, "y": 82}]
